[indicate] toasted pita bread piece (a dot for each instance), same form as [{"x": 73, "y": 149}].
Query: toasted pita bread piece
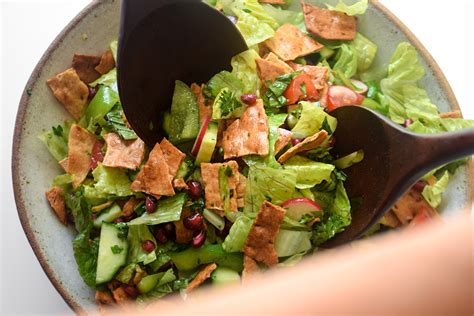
[
  {"x": 173, "y": 157},
  {"x": 391, "y": 219},
  {"x": 55, "y": 198},
  {"x": 453, "y": 114},
  {"x": 123, "y": 153},
  {"x": 205, "y": 109},
  {"x": 247, "y": 135},
  {"x": 308, "y": 143},
  {"x": 250, "y": 267},
  {"x": 102, "y": 297},
  {"x": 409, "y": 205},
  {"x": 210, "y": 178},
  {"x": 85, "y": 67},
  {"x": 107, "y": 62},
  {"x": 319, "y": 75},
  {"x": 68, "y": 88},
  {"x": 271, "y": 67},
  {"x": 329, "y": 24},
  {"x": 154, "y": 177},
  {"x": 289, "y": 43},
  {"x": 80, "y": 145},
  {"x": 202, "y": 276},
  {"x": 183, "y": 235},
  {"x": 283, "y": 140},
  {"x": 119, "y": 294},
  {"x": 260, "y": 243},
  {"x": 180, "y": 184}
]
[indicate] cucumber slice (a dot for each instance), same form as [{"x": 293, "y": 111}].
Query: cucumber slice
[
  {"x": 208, "y": 144},
  {"x": 326, "y": 52},
  {"x": 112, "y": 253},
  {"x": 191, "y": 258},
  {"x": 108, "y": 215},
  {"x": 182, "y": 124},
  {"x": 224, "y": 276}
]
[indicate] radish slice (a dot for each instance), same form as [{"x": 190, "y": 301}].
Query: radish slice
[
  {"x": 198, "y": 142},
  {"x": 296, "y": 208},
  {"x": 361, "y": 87}
]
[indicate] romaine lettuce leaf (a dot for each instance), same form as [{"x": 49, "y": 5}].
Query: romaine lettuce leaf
[
  {"x": 245, "y": 69},
  {"x": 308, "y": 172},
  {"x": 283, "y": 16},
  {"x": 252, "y": 29},
  {"x": 223, "y": 79},
  {"x": 56, "y": 140},
  {"x": 109, "y": 79},
  {"x": 104, "y": 100},
  {"x": 254, "y": 8},
  {"x": 137, "y": 234},
  {"x": 311, "y": 120},
  {"x": 168, "y": 210},
  {"x": 346, "y": 61},
  {"x": 335, "y": 218},
  {"x": 365, "y": 51},
  {"x": 433, "y": 193},
  {"x": 80, "y": 209},
  {"x": 291, "y": 242},
  {"x": 235, "y": 240},
  {"x": 265, "y": 183},
  {"x": 357, "y": 8},
  {"x": 108, "y": 182},
  {"x": 85, "y": 253}
]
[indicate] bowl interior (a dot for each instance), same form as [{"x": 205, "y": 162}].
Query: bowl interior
[{"x": 91, "y": 32}]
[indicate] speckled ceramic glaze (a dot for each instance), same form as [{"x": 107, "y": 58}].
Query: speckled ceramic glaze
[{"x": 91, "y": 32}]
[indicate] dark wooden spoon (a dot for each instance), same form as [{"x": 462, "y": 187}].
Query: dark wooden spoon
[
  {"x": 394, "y": 160},
  {"x": 161, "y": 41}
]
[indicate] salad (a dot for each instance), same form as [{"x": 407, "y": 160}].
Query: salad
[{"x": 245, "y": 179}]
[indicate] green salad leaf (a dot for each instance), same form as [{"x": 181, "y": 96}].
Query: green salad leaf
[
  {"x": 283, "y": 16},
  {"x": 308, "y": 172},
  {"x": 116, "y": 122},
  {"x": 273, "y": 97},
  {"x": 85, "y": 253},
  {"x": 357, "y": 8},
  {"x": 137, "y": 234},
  {"x": 311, "y": 120},
  {"x": 335, "y": 218},
  {"x": 291, "y": 242},
  {"x": 223, "y": 79},
  {"x": 56, "y": 140},
  {"x": 109, "y": 79},
  {"x": 168, "y": 210},
  {"x": 252, "y": 29},
  {"x": 266, "y": 183},
  {"x": 102, "y": 103},
  {"x": 346, "y": 61},
  {"x": 235, "y": 240},
  {"x": 108, "y": 182},
  {"x": 255, "y": 9},
  {"x": 244, "y": 68},
  {"x": 365, "y": 51},
  {"x": 226, "y": 105},
  {"x": 433, "y": 193},
  {"x": 80, "y": 209}
]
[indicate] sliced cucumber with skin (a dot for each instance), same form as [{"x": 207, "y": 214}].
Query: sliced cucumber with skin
[
  {"x": 208, "y": 144},
  {"x": 109, "y": 261},
  {"x": 108, "y": 216},
  {"x": 224, "y": 276}
]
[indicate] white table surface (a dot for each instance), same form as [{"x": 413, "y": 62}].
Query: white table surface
[{"x": 27, "y": 27}]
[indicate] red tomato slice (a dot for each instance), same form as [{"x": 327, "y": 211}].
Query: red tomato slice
[
  {"x": 297, "y": 88},
  {"x": 341, "y": 96},
  {"x": 97, "y": 155}
]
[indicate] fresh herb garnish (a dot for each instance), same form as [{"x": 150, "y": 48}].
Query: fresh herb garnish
[
  {"x": 116, "y": 249},
  {"x": 58, "y": 130},
  {"x": 273, "y": 97},
  {"x": 116, "y": 122}
]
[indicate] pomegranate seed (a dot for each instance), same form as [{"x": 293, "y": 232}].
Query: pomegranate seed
[
  {"x": 150, "y": 204},
  {"x": 419, "y": 186},
  {"x": 94, "y": 217},
  {"x": 160, "y": 235},
  {"x": 96, "y": 154},
  {"x": 168, "y": 265},
  {"x": 120, "y": 220},
  {"x": 168, "y": 229},
  {"x": 194, "y": 189},
  {"x": 407, "y": 122},
  {"x": 296, "y": 141},
  {"x": 332, "y": 142},
  {"x": 249, "y": 99},
  {"x": 193, "y": 222},
  {"x": 148, "y": 246},
  {"x": 131, "y": 291},
  {"x": 198, "y": 239},
  {"x": 92, "y": 92}
]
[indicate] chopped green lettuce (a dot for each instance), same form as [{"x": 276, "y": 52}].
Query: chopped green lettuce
[
  {"x": 283, "y": 16},
  {"x": 63, "y": 181},
  {"x": 273, "y": 97},
  {"x": 226, "y": 105},
  {"x": 255, "y": 9},
  {"x": 56, "y": 140},
  {"x": 252, "y": 29},
  {"x": 126, "y": 274},
  {"x": 432, "y": 193},
  {"x": 168, "y": 210},
  {"x": 235, "y": 240},
  {"x": 265, "y": 183},
  {"x": 346, "y": 61},
  {"x": 335, "y": 218},
  {"x": 311, "y": 120},
  {"x": 137, "y": 234},
  {"x": 223, "y": 79},
  {"x": 108, "y": 182},
  {"x": 109, "y": 79},
  {"x": 308, "y": 172},
  {"x": 80, "y": 209},
  {"x": 365, "y": 51},
  {"x": 291, "y": 242},
  {"x": 85, "y": 253},
  {"x": 245, "y": 69},
  {"x": 357, "y": 8}
]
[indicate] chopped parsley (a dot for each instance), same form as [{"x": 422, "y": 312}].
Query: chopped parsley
[
  {"x": 58, "y": 131},
  {"x": 273, "y": 97},
  {"x": 116, "y": 249}
]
